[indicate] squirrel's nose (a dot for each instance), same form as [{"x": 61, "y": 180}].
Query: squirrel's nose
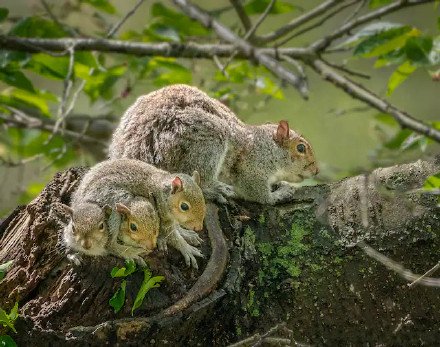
[
  {"x": 198, "y": 227},
  {"x": 86, "y": 244}
]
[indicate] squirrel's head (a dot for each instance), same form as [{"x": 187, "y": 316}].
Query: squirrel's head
[
  {"x": 299, "y": 154},
  {"x": 186, "y": 201},
  {"x": 140, "y": 223},
  {"x": 87, "y": 231}
]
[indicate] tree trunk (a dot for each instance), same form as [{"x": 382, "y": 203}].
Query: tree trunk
[{"x": 292, "y": 263}]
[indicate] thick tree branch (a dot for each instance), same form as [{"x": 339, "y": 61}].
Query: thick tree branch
[
  {"x": 253, "y": 53},
  {"x": 361, "y": 93}
]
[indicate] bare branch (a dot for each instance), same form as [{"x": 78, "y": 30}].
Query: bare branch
[
  {"x": 306, "y": 17},
  {"x": 361, "y": 93},
  {"x": 398, "y": 268},
  {"x": 164, "y": 49},
  {"x": 251, "y": 52},
  {"x": 244, "y": 18},
  {"x": 362, "y": 3},
  {"x": 119, "y": 24},
  {"x": 345, "y": 69},
  {"x": 323, "y": 43}
]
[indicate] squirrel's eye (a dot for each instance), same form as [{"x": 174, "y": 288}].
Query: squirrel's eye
[
  {"x": 133, "y": 227},
  {"x": 101, "y": 226},
  {"x": 184, "y": 206},
  {"x": 301, "y": 148}
]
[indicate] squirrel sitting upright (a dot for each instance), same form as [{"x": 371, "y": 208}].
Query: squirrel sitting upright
[
  {"x": 180, "y": 129},
  {"x": 178, "y": 200}
]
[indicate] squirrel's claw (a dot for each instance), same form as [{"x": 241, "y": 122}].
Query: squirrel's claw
[
  {"x": 189, "y": 254},
  {"x": 190, "y": 236},
  {"x": 162, "y": 244}
]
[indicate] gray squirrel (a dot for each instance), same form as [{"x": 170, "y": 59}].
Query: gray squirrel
[
  {"x": 180, "y": 129},
  {"x": 178, "y": 200}
]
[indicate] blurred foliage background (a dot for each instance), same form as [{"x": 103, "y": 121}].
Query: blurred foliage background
[{"x": 399, "y": 53}]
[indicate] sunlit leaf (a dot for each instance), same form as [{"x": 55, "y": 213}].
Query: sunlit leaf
[
  {"x": 128, "y": 269},
  {"x": 432, "y": 182},
  {"x": 259, "y": 6},
  {"x": 102, "y": 5},
  {"x": 399, "y": 76},
  {"x": 147, "y": 284},
  {"x": 17, "y": 79},
  {"x": 4, "y": 268},
  {"x": 385, "y": 42},
  {"x": 369, "y": 30},
  {"x": 118, "y": 299},
  {"x": 3, "y": 13},
  {"x": 397, "y": 141},
  {"x": 7, "y": 341},
  {"x": 16, "y": 97},
  {"x": 378, "y": 3},
  {"x": 417, "y": 49},
  {"x": 37, "y": 27}
]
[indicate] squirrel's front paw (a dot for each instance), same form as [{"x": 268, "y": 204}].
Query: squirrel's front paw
[
  {"x": 162, "y": 244},
  {"x": 283, "y": 194},
  {"x": 219, "y": 191},
  {"x": 190, "y": 236},
  {"x": 140, "y": 261},
  {"x": 189, "y": 253},
  {"x": 74, "y": 258}
]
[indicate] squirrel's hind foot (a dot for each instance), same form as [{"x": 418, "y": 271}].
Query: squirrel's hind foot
[{"x": 219, "y": 192}]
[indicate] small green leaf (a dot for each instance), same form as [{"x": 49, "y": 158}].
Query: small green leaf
[
  {"x": 102, "y": 5},
  {"x": 3, "y": 13},
  {"x": 128, "y": 269},
  {"x": 432, "y": 182},
  {"x": 118, "y": 299},
  {"x": 147, "y": 284},
  {"x": 259, "y": 6},
  {"x": 378, "y": 3},
  {"x": 7, "y": 341},
  {"x": 385, "y": 42},
  {"x": 369, "y": 30},
  {"x": 400, "y": 75},
  {"x": 4, "y": 268},
  {"x": 37, "y": 27},
  {"x": 417, "y": 49},
  {"x": 7, "y": 320},
  {"x": 17, "y": 79}
]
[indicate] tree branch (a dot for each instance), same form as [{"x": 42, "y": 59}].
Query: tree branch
[
  {"x": 306, "y": 17},
  {"x": 244, "y": 18},
  {"x": 323, "y": 43},
  {"x": 361, "y": 93},
  {"x": 251, "y": 52}
]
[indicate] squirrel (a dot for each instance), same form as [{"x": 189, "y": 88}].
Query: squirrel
[
  {"x": 94, "y": 230},
  {"x": 180, "y": 128},
  {"x": 179, "y": 201}
]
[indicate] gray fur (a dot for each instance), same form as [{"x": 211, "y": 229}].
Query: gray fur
[{"x": 180, "y": 128}]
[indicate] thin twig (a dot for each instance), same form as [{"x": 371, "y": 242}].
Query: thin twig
[
  {"x": 56, "y": 20},
  {"x": 347, "y": 70},
  {"x": 244, "y": 18},
  {"x": 253, "y": 53},
  {"x": 356, "y": 11},
  {"x": 321, "y": 44},
  {"x": 118, "y": 25},
  {"x": 315, "y": 25},
  {"x": 359, "y": 92},
  {"x": 426, "y": 274},
  {"x": 305, "y": 18}
]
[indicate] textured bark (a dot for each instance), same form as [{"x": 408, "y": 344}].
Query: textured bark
[{"x": 292, "y": 263}]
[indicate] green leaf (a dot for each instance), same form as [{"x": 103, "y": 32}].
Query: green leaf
[
  {"x": 417, "y": 49},
  {"x": 259, "y": 6},
  {"x": 16, "y": 97},
  {"x": 369, "y": 30},
  {"x": 266, "y": 86},
  {"x": 438, "y": 23},
  {"x": 378, "y": 3},
  {"x": 385, "y": 42},
  {"x": 118, "y": 299},
  {"x": 432, "y": 184},
  {"x": 147, "y": 284},
  {"x": 7, "y": 341},
  {"x": 102, "y": 5},
  {"x": 386, "y": 119},
  {"x": 37, "y": 27},
  {"x": 7, "y": 320},
  {"x": 3, "y": 13},
  {"x": 4, "y": 268},
  {"x": 397, "y": 141},
  {"x": 128, "y": 269},
  {"x": 17, "y": 79},
  {"x": 400, "y": 75},
  {"x": 13, "y": 315}
]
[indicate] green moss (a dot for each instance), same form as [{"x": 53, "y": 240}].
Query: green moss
[
  {"x": 252, "y": 306},
  {"x": 262, "y": 219}
]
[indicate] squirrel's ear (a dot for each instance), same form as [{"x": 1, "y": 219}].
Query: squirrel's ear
[
  {"x": 122, "y": 209},
  {"x": 107, "y": 211},
  {"x": 196, "y": 177},
  {"x": 67, "y": 209},
  {"x": 282, "y": 133},
  {"x": 176, "y": 185}
]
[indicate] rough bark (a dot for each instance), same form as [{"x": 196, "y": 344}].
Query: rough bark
[{"x": 292, "y": 263}]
